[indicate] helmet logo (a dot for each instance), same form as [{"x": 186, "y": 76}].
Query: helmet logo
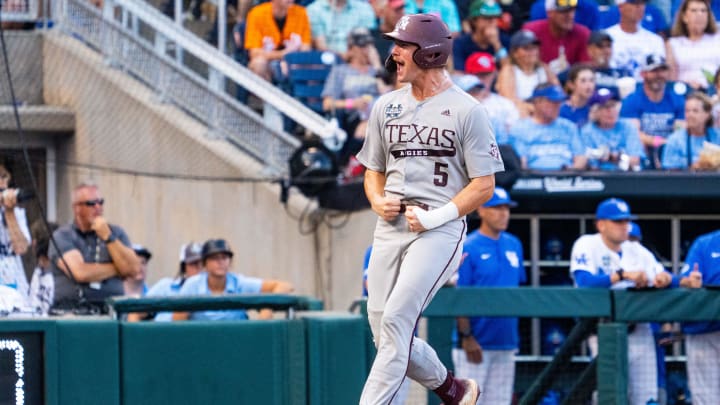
[{"x": 403, "y": 23}]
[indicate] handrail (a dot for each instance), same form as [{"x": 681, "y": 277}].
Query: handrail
[
  {"x": 277, "y": 302},
  {"x": 227, "y": 66}
]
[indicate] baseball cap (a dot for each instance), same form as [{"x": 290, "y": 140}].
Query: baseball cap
[
  {"x": 635, "y": 231},
  {"x": 500, "y": 197},
  {"x": 212, "y": 246},
  {"x": 619, "y": 2},
  {"x": 141, "y": 250},
  {"x": 479, "y": 62},
  {"x": 469, "y": 82},
  {"x": 602, "y": 95},
  {"x": 359, "y": 36},
  {"x": 613, "y": 209},
  {"x": 654, "y": 61},
  {"x": 560, "y": 5},
  {"x": 553, "y": 93},
  {"x": 484, "y": 8},
  {"x": 598, "y": 37},
  {"x": 523, "y": 38},
  {"x": 190, "y": 252}
]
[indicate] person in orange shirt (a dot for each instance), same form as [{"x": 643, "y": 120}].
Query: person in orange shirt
[{"x": 274, "y": 29}]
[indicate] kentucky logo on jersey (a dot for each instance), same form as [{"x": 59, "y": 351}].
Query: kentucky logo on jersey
[
  {"x": 606, "y": 261},
  {"x": 512, "y": 258},
  {"x": 445, "y": 112},
  {"x": 393, "y": 110}
]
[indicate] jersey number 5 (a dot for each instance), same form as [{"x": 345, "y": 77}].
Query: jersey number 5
[{"x": 441, "y": 176}]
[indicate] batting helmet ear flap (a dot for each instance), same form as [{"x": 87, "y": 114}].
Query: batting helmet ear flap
[{"x": 390, "y": 65}]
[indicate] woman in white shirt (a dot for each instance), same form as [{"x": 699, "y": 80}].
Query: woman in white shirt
[{"x": 693, "y": 51}]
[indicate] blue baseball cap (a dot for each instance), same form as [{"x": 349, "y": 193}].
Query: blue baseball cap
[
  {"x": 553, "y": 93},
  {"x": 500, "y": 197},
  {"x": 614, "y": 209},
  {"x": 635, "y": 231}
]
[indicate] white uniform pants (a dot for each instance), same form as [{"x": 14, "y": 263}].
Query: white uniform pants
[
  {"x": 406, "y": 270},
  {"x": 495, "y": 376},
  {"x": 703, "y": 367}
]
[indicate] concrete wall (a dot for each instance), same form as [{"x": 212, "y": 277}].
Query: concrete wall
[
  {"x": 121, "y": 125},
  {"x": 24, "y": 49}
]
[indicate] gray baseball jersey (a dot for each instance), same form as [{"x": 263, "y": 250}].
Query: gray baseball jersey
[{"x": 430, "y": 149}]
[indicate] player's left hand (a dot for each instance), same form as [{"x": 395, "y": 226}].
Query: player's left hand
[
  {"x": 473, "y": 350},
  {"x": 662, "y": 280},
  {"x": 413, "y": 221}
]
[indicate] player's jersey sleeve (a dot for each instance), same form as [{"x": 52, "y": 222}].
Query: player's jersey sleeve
[
  {"x": 480, "y": 149},
  {"x": 372, "y": 155},
  {"x": 694, "y": 256},
  {"x": 522, "y": 278},
  {"x": 581, "y": 257}
]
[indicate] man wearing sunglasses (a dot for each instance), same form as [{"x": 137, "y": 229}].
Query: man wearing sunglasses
[{"x": 92, "y": 256}]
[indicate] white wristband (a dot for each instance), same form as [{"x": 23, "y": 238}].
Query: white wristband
[{"x": 432, "y": 219}]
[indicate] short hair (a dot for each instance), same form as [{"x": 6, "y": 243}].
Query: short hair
[{"x": 82, "y": 186}]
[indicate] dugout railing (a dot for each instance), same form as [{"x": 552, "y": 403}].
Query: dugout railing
[{"x": 617, "y": 309}]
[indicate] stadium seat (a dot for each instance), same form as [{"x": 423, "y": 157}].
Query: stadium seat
[{"x": 307, "y": 72}]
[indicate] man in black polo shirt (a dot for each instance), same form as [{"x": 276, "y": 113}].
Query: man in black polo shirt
[{"x": 94, "y": 256}]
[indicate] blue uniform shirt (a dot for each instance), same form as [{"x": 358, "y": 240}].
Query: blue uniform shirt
[
  {"x": 165, "y": 287},
  {"x": 622, "y": 138},
  {"x": 705, "y": 251},
  {"x": 577, "y": 115},
  {"x": 235, "y": 284},
  {"x": 546, "y": 147},
  {"x": 656, "y": 118},
  {"x": 675, "y": 153},
  {"x": 493, "y": 263}
]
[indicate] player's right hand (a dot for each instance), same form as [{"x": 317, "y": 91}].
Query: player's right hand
[
  {"x": 101, "y": 227},
  {"x": 473, "y": 351},
  {"x": 638, "y": 276},
  {"x": 388, "y": 208}
]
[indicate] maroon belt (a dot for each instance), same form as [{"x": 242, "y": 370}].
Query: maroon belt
[{"x": 410, "y": 203}]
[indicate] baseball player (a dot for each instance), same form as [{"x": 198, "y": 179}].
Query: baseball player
[
  {"x": 608, "y": 260},
  {"x": 702, "y": 341},
  {"x": 486, "y": 346},
  {"x": 430, "y": 155}
]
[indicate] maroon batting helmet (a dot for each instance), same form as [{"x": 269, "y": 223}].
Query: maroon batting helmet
[{"x": 429, "y": 33}]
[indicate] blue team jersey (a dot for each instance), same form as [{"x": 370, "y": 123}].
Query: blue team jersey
[
  {"x": 675, "y": 153},
  {"x": 235, "y": 284},
  {"x": 622, "y": 138},
  {"x": 705, "y": 251},
  {"x": 546, "y": 147},
  {"x": 165, "y": 287},
  {"x": 656, "y": 119},
  {"x": 577, "y": 115},
  {"x": 493, "y": 263}
]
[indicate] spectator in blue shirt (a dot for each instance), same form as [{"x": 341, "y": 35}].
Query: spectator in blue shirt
[
  {"x": 612, "y": 143},
  {"x": 581, "y": 86},
  {"x": 486, "y": 346},
  {"x": 545, "y": 141},
  {"x": 190, "y": 265},
  {"x": 600, "y": 48},
  {"x": 653, "y": 19},
  {"x": 217, "y": 280},
  {"x": 332, "y": 21},
  {"x": 702, "y": 339},
  {"x": 656, "y": 108},
  {"x": 683, "y": 147}
]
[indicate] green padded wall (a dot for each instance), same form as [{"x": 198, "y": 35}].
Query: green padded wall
[
  {"x": 213, "y": 363},
  {"x": 88, "y": 362},
  {"x": 337, "y": 358}
]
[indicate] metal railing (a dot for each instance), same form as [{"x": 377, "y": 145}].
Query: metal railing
[
  {"x": 193, "y": 75},
  {"x": 19, "y": 10}
]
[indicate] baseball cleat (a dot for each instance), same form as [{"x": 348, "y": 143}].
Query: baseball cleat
[{"x": 471, "y": 392}]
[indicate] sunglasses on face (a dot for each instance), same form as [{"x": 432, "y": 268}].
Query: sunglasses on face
[{"x": 92, "y": 203}]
